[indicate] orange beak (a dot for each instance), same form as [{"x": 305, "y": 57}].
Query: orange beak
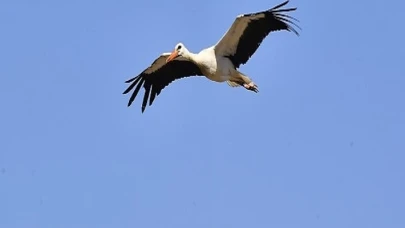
[{"x": 172, "y": 56}]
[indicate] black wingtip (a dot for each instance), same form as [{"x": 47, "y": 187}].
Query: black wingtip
[
  {"x": 280, "y": 5},
  {"x": 287, "y": 20},
  {"x": 130, "y": 80},
  {"x": 128, "y": 89},
  {"x": 289, "y": 23}
]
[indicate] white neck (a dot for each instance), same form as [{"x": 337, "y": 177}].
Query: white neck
[{"x": 189, "y": 55}]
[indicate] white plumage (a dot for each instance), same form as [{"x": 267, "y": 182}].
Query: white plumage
[{"x": 218, "y": 63}]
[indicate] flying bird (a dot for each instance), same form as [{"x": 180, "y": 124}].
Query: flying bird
[{"x": 218, "y": 63}]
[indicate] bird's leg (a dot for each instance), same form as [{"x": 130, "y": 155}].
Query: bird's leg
[
  {"x": 246, "y": 82},
  {"x": 251, "y": 86}
]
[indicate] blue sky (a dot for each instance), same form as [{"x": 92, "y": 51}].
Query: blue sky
[{"x": 321, "y": 145}]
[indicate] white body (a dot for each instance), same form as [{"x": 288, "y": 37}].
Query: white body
[
  {"x": 218, "y": 63},
  {"x": 215, "y": 67}
]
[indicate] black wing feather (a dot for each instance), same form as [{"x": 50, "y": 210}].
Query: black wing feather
[
  {"x": 156, "y": 81},
  {"x": 257, "y": 30}
]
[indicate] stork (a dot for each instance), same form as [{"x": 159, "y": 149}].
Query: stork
[{"x": 218, "y": 63}]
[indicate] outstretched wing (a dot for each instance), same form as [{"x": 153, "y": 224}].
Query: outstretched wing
[
  {"x": 247, "y": 32},
  {"x": 160, "y": 74}
]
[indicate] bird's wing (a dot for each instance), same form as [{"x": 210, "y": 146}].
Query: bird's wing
[
  {"x": 158, "y": 75},
  {"x": 247, "y": 32}
]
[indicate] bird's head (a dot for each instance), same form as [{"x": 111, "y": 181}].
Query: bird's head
[{"x": 179, "y": 50}]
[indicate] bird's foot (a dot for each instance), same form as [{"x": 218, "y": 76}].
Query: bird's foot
[{"x": 251, "y": 86}]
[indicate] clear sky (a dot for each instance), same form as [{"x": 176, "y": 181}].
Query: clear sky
[{"x": 321, "y": 145}]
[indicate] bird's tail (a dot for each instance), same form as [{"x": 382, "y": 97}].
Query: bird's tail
[{"x": 233, "y": 84}]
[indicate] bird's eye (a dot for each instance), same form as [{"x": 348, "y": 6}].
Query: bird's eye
[{"x": 178, "y": 48}]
